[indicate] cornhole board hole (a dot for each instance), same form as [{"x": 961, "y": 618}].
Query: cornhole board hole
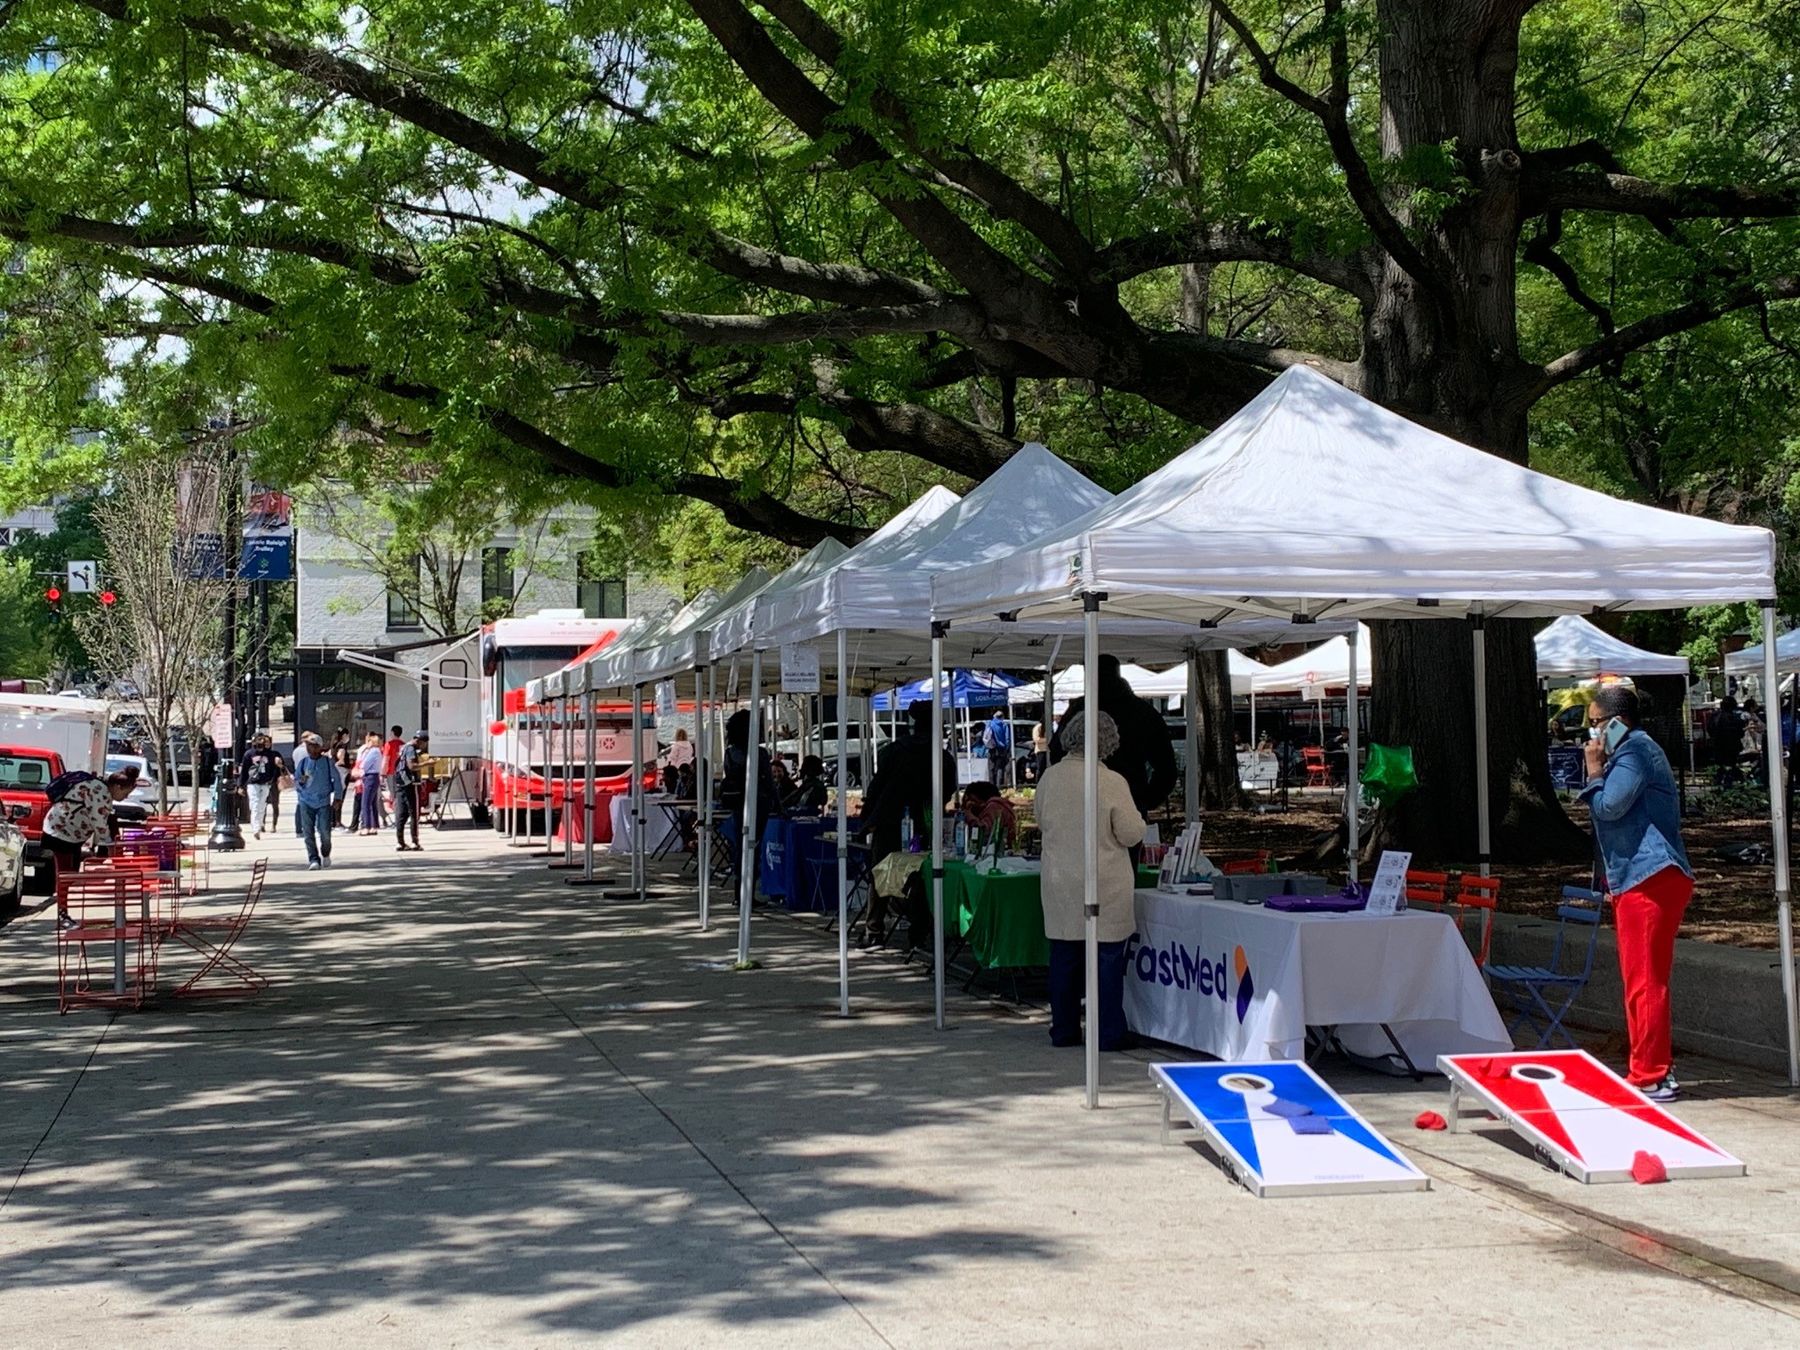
[
  {"x": 1580, "y": 1116},
  {"x": 1248, "y": 1113}
]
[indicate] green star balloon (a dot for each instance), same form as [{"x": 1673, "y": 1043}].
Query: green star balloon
[{"x": 1389, "y": 774}]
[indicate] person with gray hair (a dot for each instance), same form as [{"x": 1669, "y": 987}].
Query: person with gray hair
[
  {"x": 1635, "y": 806},
  {"x": 1061, "y": 811}
]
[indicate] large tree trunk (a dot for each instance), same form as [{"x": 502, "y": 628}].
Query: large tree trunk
[
  {"x": 1450, "y": 358},
  {"x": 1220, "y": 788}
]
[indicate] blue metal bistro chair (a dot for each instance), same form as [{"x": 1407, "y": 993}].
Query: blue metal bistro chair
[{"x": 1543, "y": 995}]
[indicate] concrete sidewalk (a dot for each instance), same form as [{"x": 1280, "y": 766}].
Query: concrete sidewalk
[{"x": 481, "y": 1107}]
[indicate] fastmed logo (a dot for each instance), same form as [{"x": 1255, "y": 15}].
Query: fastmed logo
[{"x": 1189, "y": 968}]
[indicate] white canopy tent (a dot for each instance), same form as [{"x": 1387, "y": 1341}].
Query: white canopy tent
[
  {"x": 1752, "y": 660},
  {"x": 876, "y": 604},
  {"x": 1379, "y": 517},
  {"x": 1571, "y": 648},
  {"x": 1326, "y": 666},
  {"x": 1169, "y": 684}
]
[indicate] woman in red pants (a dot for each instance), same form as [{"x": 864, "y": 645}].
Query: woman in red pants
[{"x": 1636, "y": 810}]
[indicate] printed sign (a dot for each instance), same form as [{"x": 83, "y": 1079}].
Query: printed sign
[
  {"x": 1387, "y": 893},
  {"x": 220, "y": 726},
  {"x": 82, "y": 578},
  {"x": 800, "y": 670},
  {"x": 665, "y": 700}
]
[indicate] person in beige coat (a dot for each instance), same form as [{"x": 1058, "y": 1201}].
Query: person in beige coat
[{"x": 1060, "y": 803}]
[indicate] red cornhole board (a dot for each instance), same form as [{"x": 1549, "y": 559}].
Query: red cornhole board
[{"x": 1580, "y": 1116}]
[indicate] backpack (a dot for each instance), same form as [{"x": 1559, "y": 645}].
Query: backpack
[{"x": 65, "y": 783}]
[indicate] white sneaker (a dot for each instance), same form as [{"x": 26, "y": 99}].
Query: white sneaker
[{"x": 312, "y": 867}]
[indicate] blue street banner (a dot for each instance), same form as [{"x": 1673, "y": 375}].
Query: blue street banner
[
  {"x": 269, "y": 558},
  {"x": 199, "y": 557}
]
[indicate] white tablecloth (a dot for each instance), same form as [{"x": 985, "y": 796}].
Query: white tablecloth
[
  {"x": 657, "y": 824},
  {"x": 1243, "y": 982}
]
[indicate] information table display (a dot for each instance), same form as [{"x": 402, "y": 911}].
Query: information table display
[
  {"x": 1000, "y": 915},
  {"x": 1243, "y": 982}
]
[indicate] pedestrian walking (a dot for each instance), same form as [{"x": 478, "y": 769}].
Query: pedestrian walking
[
  {"x": 317, "y": 783},
  {"x": 996, "y": 738},
  {"x": 406, "y": 779},
  {"x": 1636, "y": 809},
  {"x": 262, "y": 770},
  {"x": 368, "y": 785}
]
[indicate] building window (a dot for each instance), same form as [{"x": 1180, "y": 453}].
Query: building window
[
  {"x": 600, "y": 597},
  {"x": 496, "y": 576},
  {"x": 402, "y": 612}
]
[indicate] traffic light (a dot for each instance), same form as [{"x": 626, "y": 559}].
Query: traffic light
[
  {"x": 53, "y": 598},
  {"x": 108, "y": 599}
]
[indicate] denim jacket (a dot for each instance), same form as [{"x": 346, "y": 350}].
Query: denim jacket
[
  {"x": 1637, "y": 814},
  {"x": 316, "y": 780}
]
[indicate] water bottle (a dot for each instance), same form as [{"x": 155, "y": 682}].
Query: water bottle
[
  {"x": 906, "y": 830},
  {"x": 959, "y": 840}
]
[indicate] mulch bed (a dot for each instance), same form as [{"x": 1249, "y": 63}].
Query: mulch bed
[{"x": 1734, "y": 903}]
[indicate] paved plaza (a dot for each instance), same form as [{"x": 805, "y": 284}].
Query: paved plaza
[{"x": 479, "y": 1107}]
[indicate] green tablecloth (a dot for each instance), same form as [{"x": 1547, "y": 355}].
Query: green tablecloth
[{"x": 1001, "y": 916}]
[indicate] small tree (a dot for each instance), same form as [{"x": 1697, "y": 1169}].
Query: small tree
[{"x": 165, "y": 523}]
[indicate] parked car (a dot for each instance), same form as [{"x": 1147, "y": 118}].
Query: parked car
[
  {"x": 789, "y": 748},
  {"x": 144, "y": 794},
  {"x": 12, "y": 867}
]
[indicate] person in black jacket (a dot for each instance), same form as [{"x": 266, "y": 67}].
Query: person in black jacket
[
  {"x": 733, "y": 779},
  {"x": 900, "y": 788},
  {"x": 1145, "y": 758},
  {"x": 808, "y": 795},
  {"x": 902, "y": 784}
]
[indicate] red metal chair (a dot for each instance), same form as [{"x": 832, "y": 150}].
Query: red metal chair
[
  {"x": 1478, "y": 898},
  {"x": 1430, "y": 889},
  {"x": 222, "y": 972},
  {"x": 1318, "y": 768},
  {"x": 110, "y": 908}
]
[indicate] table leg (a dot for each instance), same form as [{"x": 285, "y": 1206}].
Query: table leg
[
  {"x": 1455, "y": 1112},
  {"x": 1164, "y": 1093}
]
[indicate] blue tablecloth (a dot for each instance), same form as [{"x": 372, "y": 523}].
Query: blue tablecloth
[{"x": 798, "y": 865}]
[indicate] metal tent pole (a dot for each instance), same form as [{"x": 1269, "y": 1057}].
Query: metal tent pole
[
  {"x": 1784, "y": 917},
  {"x": 587, "y": 792},
  {"x": 843, "y": 823},
  {"x": 568, "y": 794},
  {"x": 1192, "y": 813},
  {"x": 1687, "y": 718},
  {"x": 938, "y": 628},
  {"x": 1090, "y": 841},
  {"x": 636, "y": 797},
  {"x": 750, "y": 846},
  {"x": 702, "y": 794},
  {"x": 1483, "y": 826},
  {"x": 1354, "y": 732}
]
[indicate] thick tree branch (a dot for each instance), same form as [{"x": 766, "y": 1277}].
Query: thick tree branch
[
  {"x": 1633, "y": 336},
  {"x": 1260, "y": 354},
  {"x": 1212, "y": 243},
  {"x": 1333, "y": 115},
  {"x": 1552, "y": 189},
  {"x": 711, "y": 330},
  {"x": 1004, "y": 195},
  {"x": 1541, "y": 249}
]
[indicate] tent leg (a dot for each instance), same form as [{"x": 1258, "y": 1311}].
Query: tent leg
[
  {"x": 1090, "y": 843},
  {"x": 932, "y": 823},
  {"x": 702, "y": 782},
  {"x": 637, "y": 789},
  {"x": 1687, "y": 718},
  {"x": 587, "y": 796},
  {"x": 568, "y": 793},
  {"x": 1784, "y": 915},
  {"x": 1483, "y": 840},
  {"x": 751, "y": 843},
  {"x": 1192, "y": 775},
  {"x": 1354, "y": 731},
  {"x": 704, "y": 790},
  {"x": 843, "y": 823}
]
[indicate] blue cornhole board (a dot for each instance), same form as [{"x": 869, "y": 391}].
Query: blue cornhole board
[{"x": 1246, "y": 1113}]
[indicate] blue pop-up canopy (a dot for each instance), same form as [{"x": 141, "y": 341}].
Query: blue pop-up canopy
[{"x": 961, "y": 688}]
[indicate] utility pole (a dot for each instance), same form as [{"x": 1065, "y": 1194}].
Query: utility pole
[{"x": 226, "y": 837}]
